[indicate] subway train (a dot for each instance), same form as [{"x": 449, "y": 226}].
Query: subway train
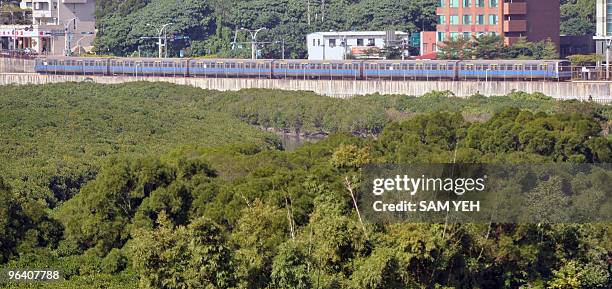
[{"x": 543, "y": 70}]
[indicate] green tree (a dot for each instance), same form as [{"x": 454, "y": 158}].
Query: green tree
[{"x": 195, "y": 256}]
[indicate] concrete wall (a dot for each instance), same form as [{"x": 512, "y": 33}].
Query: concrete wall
[{"x": 599, "y": 91}]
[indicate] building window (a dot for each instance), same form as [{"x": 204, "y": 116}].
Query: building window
[
  {"x": 467, "y": 35},
  {"x": 480, "y": 19},
  {"x": 480, "y": 3},
  {"x": 467, "y": 19},
  {"x": 453, "y": 20},
  {"x": 440, "y": 36},
  {"x": 319, "y": 42},
  {"x": 371, "y": 42},
  {"x": 492, "y": 3},
  {"x": 314, "y": 42},
  {"x": 441, "y": 3},
  {"x": 359, "y": 42},
  {"x": 454, "y": 3},
  {"x": 492, "y": 19},
  {"x": 441, "y": 19},
  {"x": 454, "y": 35},
  {"x": 467, "y": 3},
  {"x": 332, "y": 43}
]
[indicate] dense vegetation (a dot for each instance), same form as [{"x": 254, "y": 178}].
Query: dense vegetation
[
  {"x": 578, "y": 17},
  {"x": 211, "y": 25},
  {"x": 493, "y": 47},
  {"x": 163, "y": 186}
]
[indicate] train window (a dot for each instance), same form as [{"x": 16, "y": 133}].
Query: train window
[
  {"x": 493, "y": 67},
  {"x": 543, "y": 67},
  {"x": 441, "y": 66}
]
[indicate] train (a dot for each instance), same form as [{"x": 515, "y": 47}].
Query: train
[{"x": 543, "y": 70}]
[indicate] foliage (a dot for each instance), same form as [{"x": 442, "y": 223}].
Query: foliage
[
  {"x": 212, "y": 25},
  {"x": 578, "y": 17},
  {"x": 183, "y": 257},
  {"x": 581, "y": 60},
  {"x": 492, "y": 47},
  {"x": 209, "y": 202}
]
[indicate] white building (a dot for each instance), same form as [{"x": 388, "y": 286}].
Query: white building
[
  {"x": 603, "y": 25},
  {"x": 359, "y": 44},
  {"x": 57, "y": 25}
]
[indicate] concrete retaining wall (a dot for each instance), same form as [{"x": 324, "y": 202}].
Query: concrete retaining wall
[{"x": 599, "y": 91}]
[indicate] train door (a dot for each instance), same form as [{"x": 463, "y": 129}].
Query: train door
[
  {"x": 395, "y": 71},
  {"x": 418, "y": 70},
  {"x": 348, "y": 69},
  {"x": 304, "y": 67},
  {"x": 519, "y": 71},
  {"x": 404, "y": 67},
  {"x": 79, "y": 68},
  {"x": 469, "y": 71},
  {"x": 373, "y": 70},
  {"x": 282, "y": 69},
  {"x": 441, "y": 70},
  {"x": 544, "y": 71},
  {"x": 261, "y": 68},
  {"x": 326, "y": 67},
  {"x": 493, "y": 71}
]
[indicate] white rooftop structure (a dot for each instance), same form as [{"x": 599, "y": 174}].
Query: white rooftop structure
[{"x": 343, "y": 44}]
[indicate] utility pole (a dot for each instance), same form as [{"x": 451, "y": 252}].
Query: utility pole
[
  {"x": 254, "y": 40},
  {"x": 322, "y": 10},
  {"x": 282, "y": 43},
  {"x": 308, "y": 10},
  {"x": 160, "y": 46},
  {"x": 67, "y": 36}
]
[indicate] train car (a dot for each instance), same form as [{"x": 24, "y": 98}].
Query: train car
[
  {"x": 410, "y": 69},
  {"x": 317, "y": 69},
  {"x": 149, "y": 67},
  {"x": 230, "y": 68},
  {"x": 514, "y": 70},
  {"x": 70, "y": 65}
]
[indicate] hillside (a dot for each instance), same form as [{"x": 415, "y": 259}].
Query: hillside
[{"x": 211, "y": 25}]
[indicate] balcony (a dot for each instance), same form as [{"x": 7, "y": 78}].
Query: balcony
[
  {"x": 515, "y": 26},
  {"x": 519, "y": 8}
]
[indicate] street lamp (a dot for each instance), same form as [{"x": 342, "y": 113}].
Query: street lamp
[
  {"x": 282, "y": 43},
  {"x": 253, "y": 40},
  {"x": 160, "y": 31},
  {"x": 67, "y": 35}
]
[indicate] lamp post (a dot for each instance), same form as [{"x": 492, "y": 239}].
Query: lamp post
[
  {"x": 67, "y": 36},
  {"x": 282, "y": 43},
  {"x": 160, "y": 32},
  {"x": 608, "y": 42},
  {"x": 253, "y": 40}
]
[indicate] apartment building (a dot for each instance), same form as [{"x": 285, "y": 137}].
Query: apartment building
[
  {"x": 534, "y": 20},
  {"x": 603, "y": 34},
  {"x": 58, "y": 27}
]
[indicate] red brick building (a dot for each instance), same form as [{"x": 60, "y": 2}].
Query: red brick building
[{"x": 534, "y": 20}]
